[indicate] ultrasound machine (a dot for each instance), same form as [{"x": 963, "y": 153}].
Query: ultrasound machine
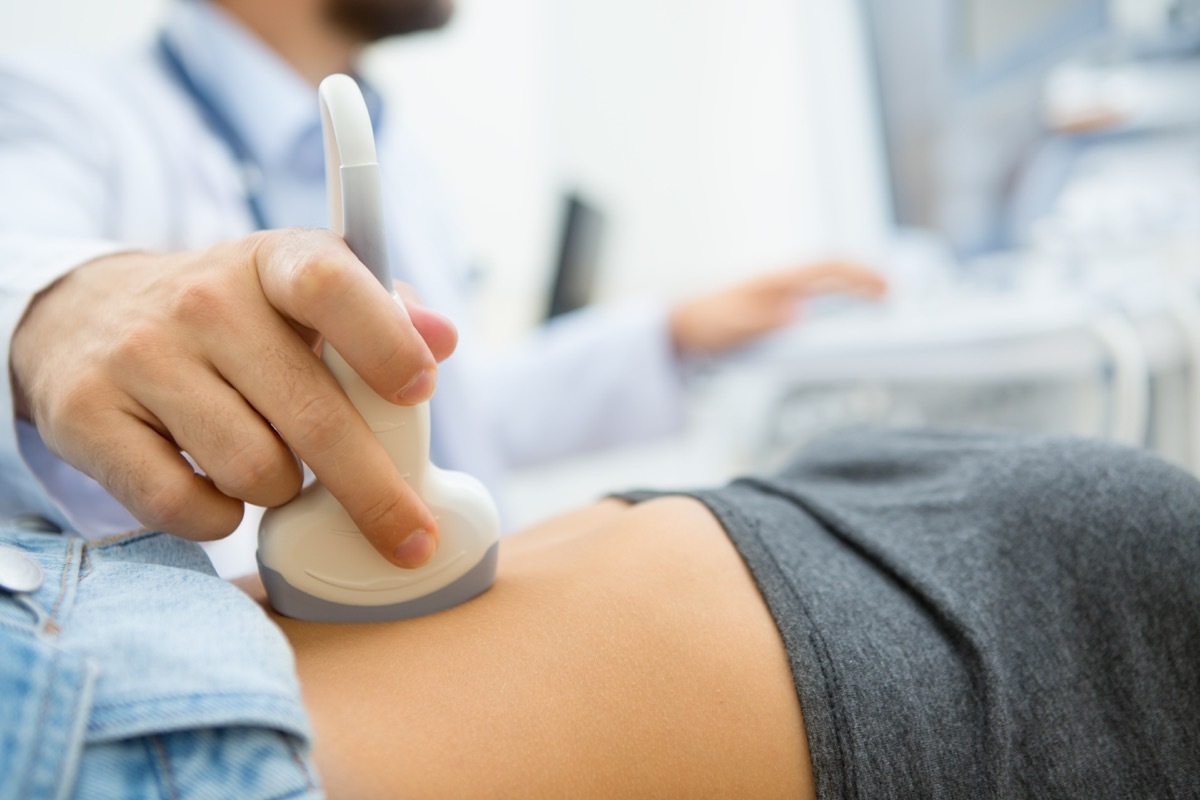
[{"x": 1043, "y": 161}]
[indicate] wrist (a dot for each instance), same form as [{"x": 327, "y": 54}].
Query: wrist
[
  {"x": 25, "y": 348},
  {"x": 48, "y": 309},
  {"x": 680, "y": 330}
]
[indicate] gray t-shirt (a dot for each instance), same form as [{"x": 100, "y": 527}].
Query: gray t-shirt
[{"x": 983, "y": 616}]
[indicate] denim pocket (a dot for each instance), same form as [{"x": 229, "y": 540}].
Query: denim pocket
[{"x": 179, "y": 648}]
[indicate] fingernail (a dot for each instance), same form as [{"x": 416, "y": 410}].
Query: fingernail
[
  {"x": 416, "y": 549},
  {"x": 419, "y": 388}
]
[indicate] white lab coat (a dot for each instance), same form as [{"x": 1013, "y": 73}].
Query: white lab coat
[{"x": 102, "y": 155}]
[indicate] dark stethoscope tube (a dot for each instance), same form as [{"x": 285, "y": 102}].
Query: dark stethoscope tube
[{"x": 221, "y": 127}]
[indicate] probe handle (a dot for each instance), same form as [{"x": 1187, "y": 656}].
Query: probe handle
[{"x": 315, "y": 563}]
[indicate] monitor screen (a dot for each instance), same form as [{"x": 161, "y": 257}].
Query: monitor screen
[
  {"x": 959, "y": 87},
  {"x": 992, "y": 38},
  {"x": 576, "y": 267}
]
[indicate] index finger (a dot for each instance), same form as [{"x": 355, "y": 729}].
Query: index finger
[
  {"x": 288, "y": 385},
  {"x": 313, "y": 278}
]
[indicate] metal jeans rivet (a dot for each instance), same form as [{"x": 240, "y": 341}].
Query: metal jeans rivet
[{"x": 19, "y": 573}]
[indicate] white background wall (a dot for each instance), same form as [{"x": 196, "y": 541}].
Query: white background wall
[{"x": 720, "y": 136}]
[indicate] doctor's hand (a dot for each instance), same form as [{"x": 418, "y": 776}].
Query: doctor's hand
[
  {"x": 131, "y": 359},
  {"x": 741, "y": 313}
]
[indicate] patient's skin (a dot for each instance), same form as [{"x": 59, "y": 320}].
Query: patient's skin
[{"x": 623, "y": 651}]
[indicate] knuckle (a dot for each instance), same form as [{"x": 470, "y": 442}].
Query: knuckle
[
  {"x": 201, "y": 303},
  {"x": 76, "y": 408},
  {"x": 137, "y": 342},
  {"x": 247, "y": 468},
  {"x": 253, "y": 245},
  {"x": 252, "y": 468},
  {"x": 322, "y": 421},
  {"x": 385, "y": 513},
  {"x": 165, "y": 506},
  {"x": 400, "y": 364},
  {"x": 319, "y": 274},
  {"x": 287, "y": 247},
  {"x": 295, "y": 240}
]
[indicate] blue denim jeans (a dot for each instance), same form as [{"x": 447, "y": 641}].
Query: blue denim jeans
[{"x": 133, "y": 671}]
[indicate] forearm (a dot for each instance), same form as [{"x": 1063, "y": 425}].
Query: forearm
[
  {"x": 28, "y": 264},
  {"x": 606, "y": 377}
]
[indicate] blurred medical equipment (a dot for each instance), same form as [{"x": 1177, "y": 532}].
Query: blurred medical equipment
[
  {"x": 1044, "y": 163},
  {"x": 314, "y": 562},
  {"x": 1043, "y": 251},
  {"x": 580, "y": 241}
]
